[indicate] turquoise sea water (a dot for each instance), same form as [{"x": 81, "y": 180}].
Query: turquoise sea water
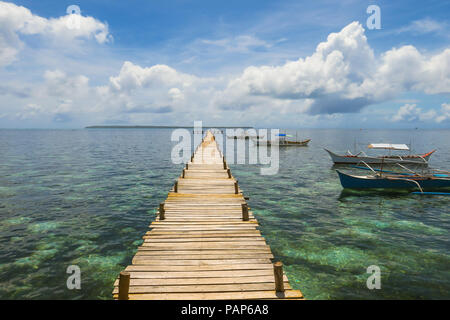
[{"x": 86, "y": 197}]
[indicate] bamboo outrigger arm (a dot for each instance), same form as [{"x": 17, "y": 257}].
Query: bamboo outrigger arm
[{"x": 409, "y": 180}]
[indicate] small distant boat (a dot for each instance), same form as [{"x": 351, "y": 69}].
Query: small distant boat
[
  {"x": 245, "y": 136},
  {"x": 288, "y": 143},
  {"x": 283, "y": 142},
  {"x": 386, "y": 159}
]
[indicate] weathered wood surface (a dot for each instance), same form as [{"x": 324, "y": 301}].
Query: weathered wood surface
[{"x": 201, "y": 248}]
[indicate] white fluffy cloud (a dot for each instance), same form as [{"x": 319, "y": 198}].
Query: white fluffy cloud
[
  {"x": 59, "y": 97},
  {"x": 239, "y": 44},
  {"x": 59, "y": 84},
  {"x": 343, "y": 75},
  {"x": 343, "y": 59},
  {"x": 424, "y": 26},
  {"x": 16, "y": 21},
  {"x": 133, "y": 77},
  {"x": 406, "y": 69},
  {"x": 410, "y": 113},
  {"x": 444, "y": 114}
]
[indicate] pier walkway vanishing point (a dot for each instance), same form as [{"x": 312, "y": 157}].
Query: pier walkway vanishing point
[{"x": 204, "y": 243}]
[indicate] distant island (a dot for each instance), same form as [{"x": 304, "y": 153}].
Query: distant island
[{"x": 153, "y": 127}]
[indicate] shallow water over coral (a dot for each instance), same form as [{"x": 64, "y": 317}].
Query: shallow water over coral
[{"x": 86, "y": 197}]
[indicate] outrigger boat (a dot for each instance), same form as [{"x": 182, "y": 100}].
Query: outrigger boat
[
  {"x": 245, "y": 136},
  {"x": 433, "y": 179},
  {"x": 283, "y": 142},
  {"x": 350, "y": 158}
]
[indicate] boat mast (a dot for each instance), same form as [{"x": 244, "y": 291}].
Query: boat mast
[{"x": 410, "y": 146}]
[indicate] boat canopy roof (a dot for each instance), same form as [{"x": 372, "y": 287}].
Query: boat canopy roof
[
  {"x": 388, "y": 146},
  {"x": 284, "y": 135}
]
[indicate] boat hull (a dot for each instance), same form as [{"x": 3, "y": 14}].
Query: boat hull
[
  {"x": 339, "y": 159},
  {"x": 284, "y": 143},
  {"x": 371, "y": 182},
  {"x": 245, "y": 137}
]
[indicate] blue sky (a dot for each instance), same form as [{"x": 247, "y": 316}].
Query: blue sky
[{"x": 255, "y": 63}]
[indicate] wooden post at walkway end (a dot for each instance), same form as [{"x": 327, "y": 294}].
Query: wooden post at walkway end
[
  {"x": 162, "y": 211},
  {"x": 244, "y": 212},
  {"x": 175, "y": 187},
  {"x": 229, "y": 173},
  {"x": 278, "y": 273},
  {"x": 236, "y": 187},
  {"x": 184, "y": 173},
  {"x": 124, "y": 285}
]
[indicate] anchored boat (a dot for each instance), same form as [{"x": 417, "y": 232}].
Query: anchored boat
[
  {"x": 432, "y": 179},
  {"x": 245, "y": 136},
  {"x": 283, "y": 142},
  {"x": 361, "y": 157},
  {"x": 394, "y": 181}
]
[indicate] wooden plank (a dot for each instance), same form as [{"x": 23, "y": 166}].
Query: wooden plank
[
  {"x": 205, "y": 244},
  {"x": 218, "y": 295},
  {"x": 153, "y": 251},
  {"x": 196, "y": 262},
  {"x": 203, "y": 288},
  {"x": 198, "y": 281},
  {"x": 198, "y": 274},
  {"x": 201, "y": 235},
  {"x": 201, "y": 223},
  {"x": 207, "y": 239},
  {"x": 200, "y": 246},
  {"x": 136, "y": 259},
  {"x": 216, "y": 267}
]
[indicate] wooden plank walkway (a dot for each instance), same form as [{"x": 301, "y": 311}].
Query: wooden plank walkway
[{"x": 200, "y": 247}]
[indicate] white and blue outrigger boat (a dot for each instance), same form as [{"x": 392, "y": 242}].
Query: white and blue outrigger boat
[{"x": 350, "y": 158}]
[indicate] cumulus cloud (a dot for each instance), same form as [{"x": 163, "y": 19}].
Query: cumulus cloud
[
  {"x": 343, "y": 75},
  {"x": 239, "y": 44},
  {"x": 58, "y": 97},
  {"x": 406, "y": 69},
  {"x": 445, "y": 113},
  {"x": 60, "y": 84},
  {"x": 424, "y": 26},
  {"x": 149, "y": 109},
  {"x": 344, "y": 59},
  {"x": 133, "y": 77},
  {"x": 16, "y": 21},
  {"x": 410, "y": 113},
  {"x": 176, "y": 94}
]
